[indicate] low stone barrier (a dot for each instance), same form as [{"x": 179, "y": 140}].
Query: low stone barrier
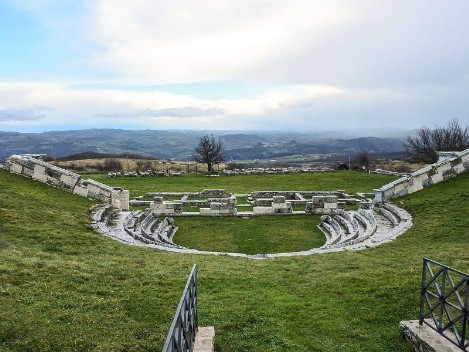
[
  {"x": 279, "y": 205},
  {"x": 160, "y": 207},
  {"x": 322, "y": 204},
  {"x": 37, "y": 169},
  {"x": 220, "y": 207},
  {"x": 449, "y": 166}
]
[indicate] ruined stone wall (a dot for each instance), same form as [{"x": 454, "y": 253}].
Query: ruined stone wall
[
  {"x": 324, "y": 204},
  {"x": 160, "y": 207},
  {"x": 66, "y": 180},
  {"x": 279, "y": 205},
  {"x": 290, "y": 195},
  {"x": 450, "y": 166}
]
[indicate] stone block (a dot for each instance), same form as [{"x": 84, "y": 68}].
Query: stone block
[
  {"x": 330, "y": 199},
  {"x": 281, "y": 205},
  {"x": 331, "y": 205},
  {"x": 204, "y": 339},
  {"x": 318, "y": 201},
  {"x": 213, "y": 193},
  {"x": 53, "y": 181},
  {"x": 427, "y": 182},
  {"x": 81, "y": 191},
  {"x": 215, "y": 206},
  {"x": 93, "y": 195},
  {"x": 278, "y": 199},
  {"x": 40, "y": 169},
  {"x": 205, "y": 211},
  {"x": 28, "y": 171},
  {"x": 424, "y": 339},
  {"x": 16, "y": 168},
  {"x": 262, "y": 210},
  {"x": 123, "y": 198},
  {"x": 69, "y": 180},
  {"x": 40, "y": 173},
  {"x": 156, "y": 208},
  {"x": 262, "y": 201}
]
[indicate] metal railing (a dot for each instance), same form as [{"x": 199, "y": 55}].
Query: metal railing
[
  {"x": 181, "y": 335},
  {"x": 444, "y": 302}
]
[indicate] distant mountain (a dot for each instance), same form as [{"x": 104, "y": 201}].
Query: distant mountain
[{"x": 180, "y": 144}]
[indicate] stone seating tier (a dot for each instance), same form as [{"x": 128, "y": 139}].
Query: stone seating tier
[{"x": 147, "y": 228}]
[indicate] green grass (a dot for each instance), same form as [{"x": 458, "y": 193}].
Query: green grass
[
  {"x": 64, "y": 287},
  {"x": 254, "y": 235},
  {"x": 351, "y": 181}
]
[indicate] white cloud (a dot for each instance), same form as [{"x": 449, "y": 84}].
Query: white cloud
[
  {"x": 329, "y": 64},
  {"x": 187, "y": 40},
  {"x": 97, "y": 106}
]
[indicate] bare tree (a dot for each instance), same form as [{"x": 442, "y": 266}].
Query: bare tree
[
  {"x": 363, "y": 159},
  {"x": 424, "y": 146},
  {"x": 210, "y": 151}
]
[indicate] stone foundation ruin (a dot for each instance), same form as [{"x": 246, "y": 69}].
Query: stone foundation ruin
[{"x": 375, "y": 221}]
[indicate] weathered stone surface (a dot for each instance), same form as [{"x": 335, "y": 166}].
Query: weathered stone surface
[
  {"x": 262, "y": 210},
  {"x": 69, "y": 181},
  {"x": 205, "y": 339},
  {"x": 81, "y": 191},
  {"x": 424, "y": 339},
  {"x": 28, "y": 171},
  {"x": 16, "y": 168},
  {"x": 322, "y": 204},
  {"x": 214, "y": 193},
  {"x": 40, "y": 173},
  {"x": 278, "y": 199},
  {"x": 166, "y": 208}
]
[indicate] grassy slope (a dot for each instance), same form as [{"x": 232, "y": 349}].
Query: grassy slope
[{"x": 64, "y": 287}]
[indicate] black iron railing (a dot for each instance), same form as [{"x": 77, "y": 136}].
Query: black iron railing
[
  {"x": 444, "y": 302},
  {"x": 181, "y": 335}
]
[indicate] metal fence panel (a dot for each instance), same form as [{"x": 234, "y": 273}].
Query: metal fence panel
[
  {"x": 181, "y": 335},
  {"x": 444, "y": 302}
]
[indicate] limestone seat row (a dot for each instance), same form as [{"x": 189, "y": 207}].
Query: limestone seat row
[
  {"x": 347, "y": 228},
  {"x": 144, "y": 226},
  {"x": 103, "y": 216},
  {"x": 364, "y": 227},
  {"x": 399, "y": 219}
]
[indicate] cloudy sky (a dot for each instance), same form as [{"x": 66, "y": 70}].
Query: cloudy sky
[{"x": 299, "y": 65}]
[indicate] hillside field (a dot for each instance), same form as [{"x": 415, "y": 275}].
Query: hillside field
[
  {"x": 64, "y": 287},
  {"x": 350, "y": 181}
]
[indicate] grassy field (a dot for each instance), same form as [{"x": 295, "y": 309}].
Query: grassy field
[
  {"x": 254, "y": 235},
  {"x": 351, "y": 181},
  {"x": 64, "y": 287}
]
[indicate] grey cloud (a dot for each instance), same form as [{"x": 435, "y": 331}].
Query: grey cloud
[
  {"x": 187, "y": 111},
  {"x": 391, "y": 44},
  {"x": 24, "y": 114},
  {"x": 407, "y": 108}
]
